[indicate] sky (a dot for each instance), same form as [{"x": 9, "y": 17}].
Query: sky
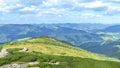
[{"x": 59, "y": 11}]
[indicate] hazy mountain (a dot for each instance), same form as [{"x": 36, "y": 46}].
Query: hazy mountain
[
  {"x": 114, "y": 28},
  {"x": 109, "y": 48},
  {"x": 84, "y": 26},
  {"x": 16, "y": 31}
]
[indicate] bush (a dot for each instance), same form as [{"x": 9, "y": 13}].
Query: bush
[
  {"x": 29, "y": 58},
  {"x": 10, "y": 59},
  {"x": 14, "y": 50},
  {"x": 1, "y": 48}
]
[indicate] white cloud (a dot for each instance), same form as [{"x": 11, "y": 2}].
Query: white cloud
[
  {"x": 113, "y": 10},
  {"x": 4, "y": 8},
  {"x": 1, "y": 1},
  {"x": 52, "y": 11},
  {"x": 7, "y": 5},
  {"x": 31, "y": 8},
  {"x": 90, "y": 15},
  {"x": 94, "y": 4},
  {"x": 50, "y": 3},
  {"x": 58, "y": 7},
  {"x": 57, "y": 11}
]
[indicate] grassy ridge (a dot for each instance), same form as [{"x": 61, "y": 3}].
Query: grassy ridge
[
  {"x": 46, "y": 50},
  {"x": 51, "y": 46}
]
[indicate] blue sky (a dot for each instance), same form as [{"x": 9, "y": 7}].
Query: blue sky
[{"x": 59, "y": 11}]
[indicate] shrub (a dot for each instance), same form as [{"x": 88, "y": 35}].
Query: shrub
[
  {"x": 14, "y": 50},
  {"x": 29, "y": 58}
]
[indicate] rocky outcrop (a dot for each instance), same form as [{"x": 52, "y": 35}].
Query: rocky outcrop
[
  {"x": 25, "y": 50},
  {"x": 14, "y": 66},
  {"x": 55, "y": 63},
  {"x": 33, "y": 63},
  {"x": 4, "y": 53}
]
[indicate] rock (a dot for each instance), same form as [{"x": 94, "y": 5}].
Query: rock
[
  {"x": 14, "y": 66},
  {"x": 56, "y": 63},
  {"x": 24, "y": 50},
  {"x": 33, "y": 63},
  {"x": 4, "y": 53}
]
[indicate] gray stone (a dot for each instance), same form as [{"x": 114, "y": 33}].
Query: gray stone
[
  {"x": 4, "y": 53},
  {"x": 14, "y": 66},
  {"x": 24, "y": 50},
  {"x": 33, "y": 63}
]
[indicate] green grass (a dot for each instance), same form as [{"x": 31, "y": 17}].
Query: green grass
[
  {"x": 51, "y": 46},
  {"x": 64, "y": 61},
  {"x": 47, "y": 50}
]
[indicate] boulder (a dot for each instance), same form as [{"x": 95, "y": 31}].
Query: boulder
[
  {"x": 33, "y": 63},
  {"x": 14, "y": 66},
  {"x": 55, "y": 63},
  {"x": 25, "y": 50},
  {"x": 4, "y": 53}
]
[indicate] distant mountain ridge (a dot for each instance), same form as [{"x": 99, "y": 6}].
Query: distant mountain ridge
[
  {"x": 12, "y": 32},
  {"x": 84, "y": 26},
  {"x": 109, "y": 48},
  {"x": 114, "y": 28}
]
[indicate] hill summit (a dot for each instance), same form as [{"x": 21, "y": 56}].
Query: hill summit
[{"x": 47, "y": 52}]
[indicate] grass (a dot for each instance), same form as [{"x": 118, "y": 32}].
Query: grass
[
  {"x": 46, "y": 50},
  {"x": 51, "y": 46},
  {"x": 64, "y": 61}
]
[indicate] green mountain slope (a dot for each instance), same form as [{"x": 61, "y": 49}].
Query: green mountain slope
[
  {"x": 109, "y": 46},
  {"x": 48, "y": 50},
  {"x": 52, "y": 46}
]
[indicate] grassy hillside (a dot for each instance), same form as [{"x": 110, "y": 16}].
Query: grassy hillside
[
  {"x": 51, "y": 46},
  {"x": 46, "y": 50},
  {"x": 64, "y": 61}
]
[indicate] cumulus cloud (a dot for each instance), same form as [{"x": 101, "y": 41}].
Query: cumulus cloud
[
  {"x": 1, "y": 1},
  {"x": 94, "y": 4},
  {"x": 90, "y": 15},
  {"x": 85, "y": 0},
  {"x": 7, "y": 5},
  {"x": 36, "y": 5},
  {"x": 61, "y": 8},
  {"x": 31, "y": 8},
  {"x": 113, "y": 1},
  {"x": 112, "y": 10},
  {"x": 59, "y": 3}
]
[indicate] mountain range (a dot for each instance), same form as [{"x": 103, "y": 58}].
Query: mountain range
[
  {"x": 13, "y": 32},
  {"x": 97, "y": 38}
]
